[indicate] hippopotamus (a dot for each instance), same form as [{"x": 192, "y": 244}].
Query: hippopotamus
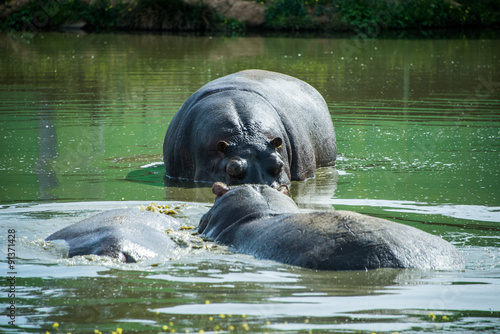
[
  {"x": 266, "y": 223},
  {"x": 128, "y": 235},
  {"x": 253, "y": 126}
]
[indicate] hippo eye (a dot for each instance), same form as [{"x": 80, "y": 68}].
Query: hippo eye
[
  {"x": 277, "y": 142},
  {"x": 222, "y": 146}
]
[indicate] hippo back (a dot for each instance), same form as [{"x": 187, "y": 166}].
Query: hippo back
[
  {"x": 342, "y": 240},
  {"x": 265, "y": 223},
  {"x": 128, "y": 235}
]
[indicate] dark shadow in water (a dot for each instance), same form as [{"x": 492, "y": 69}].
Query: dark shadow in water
[
  {"x": 150, "y": 175},
  {"x": 407, "y": 34},
  {"x": 175, "y": 190},
  {"x": 360, "y": 283}
]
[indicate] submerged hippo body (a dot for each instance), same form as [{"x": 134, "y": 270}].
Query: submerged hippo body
[
  {"x": 250, "y": 127},
  {"x": 260, "y": 221},
  {"x": 128, "y": 235}
]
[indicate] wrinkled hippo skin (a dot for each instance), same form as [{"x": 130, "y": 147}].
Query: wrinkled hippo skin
[
  {"x": 128, "y": 235},
  {"x": 252, "y": 126},
  {"x": 263, "y": 222}
]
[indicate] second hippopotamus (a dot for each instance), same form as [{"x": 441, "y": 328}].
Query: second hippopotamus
[
  {"x": 265, "y": 222},
  {"x": 128, "y": 235},
  {"x": 252, "y": 126}
]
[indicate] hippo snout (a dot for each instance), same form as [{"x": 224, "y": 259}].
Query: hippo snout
[
  {"x": 237, "y": 168},
  {"x": 276, "y": 167},
  {"x": 263, "y": 170}
]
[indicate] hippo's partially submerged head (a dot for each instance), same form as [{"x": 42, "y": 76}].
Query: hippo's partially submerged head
[
  {"x": 245, "y": 143},
  {"x": 235, "y": 205}
]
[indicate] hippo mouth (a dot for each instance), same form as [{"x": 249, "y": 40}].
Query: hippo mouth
[{"x": 219, "y": 189}]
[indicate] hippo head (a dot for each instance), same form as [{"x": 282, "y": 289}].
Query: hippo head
[
  {"x": 254, "y": 161},
  {"x": 243, "y": 203},
  {"x": 240, "y": 140}
]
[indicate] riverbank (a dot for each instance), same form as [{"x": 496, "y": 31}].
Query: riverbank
[{"x": 370, "y": 17}]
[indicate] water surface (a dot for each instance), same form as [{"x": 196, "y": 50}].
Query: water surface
[{"x": 82, "y": 122}]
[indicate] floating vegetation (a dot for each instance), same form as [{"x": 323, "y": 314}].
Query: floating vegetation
[
  {"x": 184, "y": 227},
  {"x": 221, "y": 323},
  {"x": 230, "y": 323},
  {"x": 435, "y": 318},
  {"x": 165, "y": 209}
]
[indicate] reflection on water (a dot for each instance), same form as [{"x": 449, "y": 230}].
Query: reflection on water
[
  {"x": 47, "y": 152},
  {"x": 83, "y": 119}
]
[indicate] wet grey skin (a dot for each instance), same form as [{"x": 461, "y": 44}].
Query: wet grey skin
[
  {"x": 253, "y": 126},
  {"x": 129, "y": 235},
  {"x": 264, "y": 222}
]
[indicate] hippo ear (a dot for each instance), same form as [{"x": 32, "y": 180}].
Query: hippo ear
[
  {"x": 277, "y": 142},
  {"x": 222, "y": 146},
  {"x": 284, "y": 189},
  {"x": 219, "y": 189}
]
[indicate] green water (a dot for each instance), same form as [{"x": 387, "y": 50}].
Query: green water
[{"x": 82, "y": 119}]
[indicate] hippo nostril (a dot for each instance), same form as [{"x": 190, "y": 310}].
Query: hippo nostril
[
  {"x": 276, "y": 169},
  {"x": 236, "y": 167}
]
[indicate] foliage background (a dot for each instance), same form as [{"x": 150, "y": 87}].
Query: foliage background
[{"x": 287, "y": 15}]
